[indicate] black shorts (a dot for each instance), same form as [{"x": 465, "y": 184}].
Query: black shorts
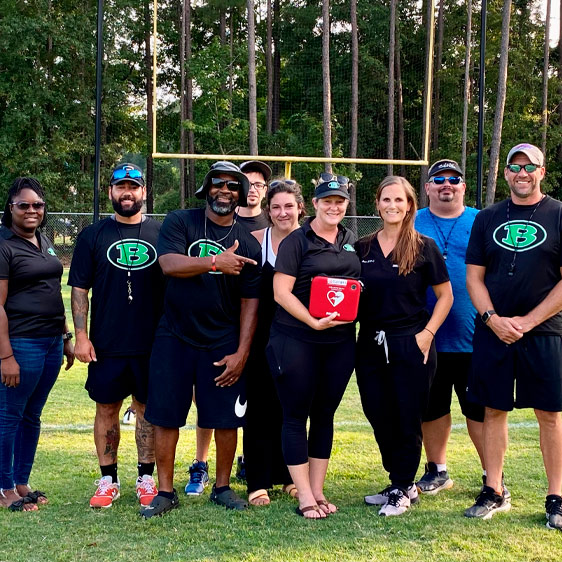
[
  {"x": 453, "y": 369},
  {"x": 113, "y": 378},
  {"x": 533, "y": 364},
  {"x": 175, "y": 367}
]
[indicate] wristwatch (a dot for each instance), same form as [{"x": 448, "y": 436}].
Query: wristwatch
[
  {"x": 487, "y": 315},
  {"x": 67, "y": 336}
]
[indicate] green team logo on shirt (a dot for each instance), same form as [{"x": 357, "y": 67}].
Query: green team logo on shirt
[
  {"x": 519, "y": 235},
  {"x": 131, "y": 254},
  {"x": 205, "y": 248}
]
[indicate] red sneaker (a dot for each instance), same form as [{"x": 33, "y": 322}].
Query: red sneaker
[
  {"x": 107, "y": 492},
  {"x": 146, "y": 489}
]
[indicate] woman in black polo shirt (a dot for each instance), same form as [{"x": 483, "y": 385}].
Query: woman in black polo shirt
[
  {"x": 32, "y": 329},
  {"x": 396, "y": 357},
  {"x": 312, "y": 360}
]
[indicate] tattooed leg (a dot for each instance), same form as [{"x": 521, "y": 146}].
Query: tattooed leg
[
  {"x": 106, "y": 432},
  {"x": 144, "y": 435}
]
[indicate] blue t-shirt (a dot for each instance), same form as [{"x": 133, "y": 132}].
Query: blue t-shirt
[{"x": 451, "y": 236}]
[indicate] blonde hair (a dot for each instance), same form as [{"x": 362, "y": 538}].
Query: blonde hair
[{"x": 407, "y": 250}]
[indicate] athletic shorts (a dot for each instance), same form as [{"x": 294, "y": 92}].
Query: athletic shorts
[
  {"x": 175, "y": 367},
  {"x": 453, "y": 370},
  {"x": 532, "y": 364},
  {"x": 113, "y": 378}
]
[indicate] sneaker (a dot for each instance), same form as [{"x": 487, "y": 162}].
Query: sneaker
[
  {"x": 228, "y": 499},
  {"x": 106, "y": 494},
  {"x": 160, "y": 505},
  {"x": 433, "y": 481},
  {"x": 146, "y": 489},
  {"x": 382, "y": 497},
  {"x": 130, "y": 417},
  {"x": 553, "y": 506},
  {"x": 506, "y": 492},
  {"x": 240, "y": 468},
  {"x": 487, "y": 503},
  {"x": 396, "y": 504},
  {"x": 198, "y": 478}
]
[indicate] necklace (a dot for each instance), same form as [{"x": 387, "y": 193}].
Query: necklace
[
  {"x": 128, "y": 261},
  {"x": 444, "y": 239},
  {"x": 515, "y": 242},
  {"x": 225, "y": 236}
]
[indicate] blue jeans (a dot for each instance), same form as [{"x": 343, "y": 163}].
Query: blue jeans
[{"x": 20, "y": 407}]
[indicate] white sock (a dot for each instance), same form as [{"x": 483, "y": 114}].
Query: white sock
[{"x": 441, "y": 467}]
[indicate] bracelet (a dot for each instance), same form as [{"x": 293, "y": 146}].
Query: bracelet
[
  {"x": 429, "y": 331},
  {"x": 7, "y": 357},
  {"x": 213, "y": 263}
]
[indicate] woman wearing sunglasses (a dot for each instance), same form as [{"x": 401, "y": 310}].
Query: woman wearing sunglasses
[
  {"x": 263, "y": 454},
  {"x": 33, "y": 338},
  {"x": 312, "y": 359},
  {"x": 396, "y": 357}
]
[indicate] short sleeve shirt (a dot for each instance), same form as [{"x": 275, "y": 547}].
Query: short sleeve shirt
[
  {"x": 303, "y": 255},
  {"x": 532, "y": 244},
  {"x": 391, "y": 302},
  {"x": 204, "y": 310},
  {"x": 34, "y": 302},
  {"x": 255, "y": 223},
  {"x": 107, "y": 256}
]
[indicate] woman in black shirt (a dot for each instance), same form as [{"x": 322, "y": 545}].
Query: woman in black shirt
[
  {"x": 32, "y": 330},
  {"x": 398, "y": 265},
  {"x": 312, "y": 359}
]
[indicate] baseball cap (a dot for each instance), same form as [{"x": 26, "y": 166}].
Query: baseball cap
[
  {"x": 256, "y": 166},
  {"x": 222, "y": 167},
  {"x": 127, "y": 172},
  {"x": 445, "y": 164},
  {"x": 533, "y": 153},
  {"x": 332, "y": 187}
]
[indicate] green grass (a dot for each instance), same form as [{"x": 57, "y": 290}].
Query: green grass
[{"x": 435, "y": 530}]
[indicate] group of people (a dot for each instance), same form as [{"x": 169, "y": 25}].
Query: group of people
[{"x": 212, "y": 307}]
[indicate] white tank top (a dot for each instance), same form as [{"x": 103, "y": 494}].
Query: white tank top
[{"x": 267, "y": 253}]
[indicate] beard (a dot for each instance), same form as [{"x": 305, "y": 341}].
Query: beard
[
  {"x": 129, "y": 212},
  {"x": 221, "y": 208}
]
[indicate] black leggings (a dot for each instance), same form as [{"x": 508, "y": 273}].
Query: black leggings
[
  {"x": 311, "y": 379},
  {"x": 394, "y": 396}
]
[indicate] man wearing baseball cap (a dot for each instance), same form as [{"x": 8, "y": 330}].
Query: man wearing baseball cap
[
  {"x": 203, "y": 339},
  {"x": 514, "y": 277},
  {"x": 253, "y": 216},
  {"x": 116, "y": 259},
  {"x": 449, "y": 223}
]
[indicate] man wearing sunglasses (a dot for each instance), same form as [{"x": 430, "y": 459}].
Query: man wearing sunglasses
[
  {"x": 514, "y": 278},
  {"x": 116, "y": 259},
  {"x": 253, "y": 217},
  {"x": 449, "y": 223},
  {"x": 203, "y": 339}
]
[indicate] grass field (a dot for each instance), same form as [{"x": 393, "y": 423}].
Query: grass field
[{"x": 434, "y": 530}]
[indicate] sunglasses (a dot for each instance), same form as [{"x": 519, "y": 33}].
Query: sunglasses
[
  {"x": 440, "y": 180},
  {"x": 516, "y": 168},
  {"x": 327, "y": 177},
  {"x": 24, "y": 205},
  {"x": 126, "y": 173},
  {"x": 230, "y": 184},
  {"x": 282, "y": 182},
  {"x": 258, "y": 185}
]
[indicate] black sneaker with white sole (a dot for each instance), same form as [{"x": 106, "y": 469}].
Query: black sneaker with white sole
[
  {"x": 506, "y": 492},
  {"x": 553, "y": 505},
  {"x": 487, "y": 503},
  {"x": 382, "y": 497},
  {"x": 433, "y": 481}
]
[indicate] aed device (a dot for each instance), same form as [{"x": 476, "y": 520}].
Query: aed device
[{"x": 334, "y": 294}]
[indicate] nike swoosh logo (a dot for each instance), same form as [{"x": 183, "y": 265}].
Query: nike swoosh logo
[{"x": 240, "y": 409}]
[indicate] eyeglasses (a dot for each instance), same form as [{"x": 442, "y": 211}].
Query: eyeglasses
[
  {"x": 230, "y": 184},
  {"x": 327, "y": 177},
  {"x": 24, "y": 205},
  {"x": 126, "y": 173},
  {"x": 516, "y": 168},
  {"x": 439, "y": 180},
  {"x": 282, "y": 182},
  {"x": 258, "y": 185}
]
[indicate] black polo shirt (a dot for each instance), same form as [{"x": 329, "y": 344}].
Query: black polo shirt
[
  {"x": 303, "y": 255},
  {"x": 34, "y": 304}
]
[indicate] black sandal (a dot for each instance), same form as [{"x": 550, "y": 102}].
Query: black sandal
[
  {"x": 18, "y": 504},
  {"x": 35, "y": 496}
]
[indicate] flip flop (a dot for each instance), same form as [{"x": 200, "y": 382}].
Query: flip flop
[
  {"x": 256, "y": 495},
  {"x": 302, "y": 511},
  {"x": 291, "y": 490},
  {"x": 326, "y": 504},
  {"x": 18, "y": 504},
  {"x": 35, "y": 496}
]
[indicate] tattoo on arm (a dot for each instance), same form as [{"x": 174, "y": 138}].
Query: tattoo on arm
[
  {"x": 112, "y": 442},
  {"x": 80, "y": 307}
]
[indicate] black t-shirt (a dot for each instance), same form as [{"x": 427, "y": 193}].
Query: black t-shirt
[
  {"x": 538, "y": 256},
  {"x": 104, "y": 253},
  {"x": 204, "y": 310},
  {"x": 34, "y": 303},
  {"x": 255, "y": 223},
  {"x": 303, "y": 255},
  {"x": 392, "y": 302}
]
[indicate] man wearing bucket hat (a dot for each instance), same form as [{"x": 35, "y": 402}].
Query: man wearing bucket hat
[
  {"x": 203, "y": 339},
  {"x": 514, "y": 279}
]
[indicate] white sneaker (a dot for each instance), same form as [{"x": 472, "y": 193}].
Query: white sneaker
[
  {"x": 382, "y": 497},
  {"x": 398, "y": 502},
  {"x": 130, "y": 418}
]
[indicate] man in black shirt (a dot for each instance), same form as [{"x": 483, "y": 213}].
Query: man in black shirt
[
  {"x": 253, "y": 217},
  {"x": 116, "y": 258},
  {"x": 514, "y": 272},
  {"x": 204, "y": 336}
]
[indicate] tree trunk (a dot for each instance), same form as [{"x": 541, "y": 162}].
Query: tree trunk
[
  {"x": 437, "y": 70},
  {"x": 500, "y": 105},
  {"x": 231, "y": 70},
  {"x": 390, "y": 109},
  {"x": 560, "y": 80},
  {"x": 269, "y": 68},
  {"x": 545, "y": 77},
  {"x": 276, "y": 109},
  {"x": 149, "y": 117},
  {"x": 183, "y": 112},
  {"x": 252, "y": 93},
  {"x": 327, "y": 98},
  {"x": 354, "y": 108},
  {"x": 189, "y": 103},
  {"x": 466, "y": 98},
  {"x": 400, "y": 104},
  {"x": 426, "y": 99}
]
